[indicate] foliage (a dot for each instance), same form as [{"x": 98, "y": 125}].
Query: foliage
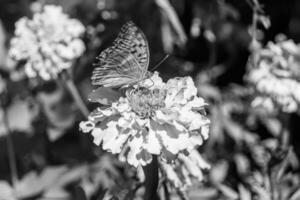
[{"x": 228, "y": 47}]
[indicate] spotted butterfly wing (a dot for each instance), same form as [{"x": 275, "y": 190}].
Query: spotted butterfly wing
[{"x": 125, "y": 62}]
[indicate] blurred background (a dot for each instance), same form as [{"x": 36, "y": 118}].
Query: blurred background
[{"x": 209, "y": 40}]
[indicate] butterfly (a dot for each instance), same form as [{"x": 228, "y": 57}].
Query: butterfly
[{"x": 125, "y": 62}]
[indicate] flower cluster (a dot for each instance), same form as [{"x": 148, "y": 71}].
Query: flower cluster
[
  {"x": 48, "y": 43},
  {"x": 275, "y": 73},
  {"x": 153, "y": 118},
  {"x": 186, "y": 167}
]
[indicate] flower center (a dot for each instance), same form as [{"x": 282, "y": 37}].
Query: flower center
[{"x": 145, "y": 102}]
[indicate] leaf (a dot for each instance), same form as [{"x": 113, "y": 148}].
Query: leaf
[
  {"x": 58, "y": 110},
  {"x": 33, "y": 184},
  {"x": 272, "y": 124},
  {"x": 2, "y": 45},
  {"x": 104, "y": 95},
  {"x": 203, "y": 193},
  {"x": 242, "y": 163},
  {"x": 80, "y": 194},
  {"x": 265, "y": 21},
  {"x": 228, "y": 192},
  {"x": 71, "y": 175},
  {"x": 219, "y": 172},
  {"x": 102, "y": 195},
  {"x": 20, "y": 116},
  {"x": 110, "y": 197},
  {"x": 244, "y": 193},
  {"x": 6, "y": 191},
  {"x": 296, "y": 195},
  {"x": 3, "y": 128},
  {"x": 169, "y": 15},
  {"x": 56, "y": 193},
  {"x": 52, "y": 178}
]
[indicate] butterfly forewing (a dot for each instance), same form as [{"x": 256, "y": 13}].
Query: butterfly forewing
[
  {"x": 133, "y": 39},
  {"x": 124, "y": 63}
]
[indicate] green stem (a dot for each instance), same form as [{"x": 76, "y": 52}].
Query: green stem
[
  {"x": 272, "y": 185},
  {"x": 182, "y": 195},
  {"x": 10, "y": 152},
  {"x": 77, "y": 98},
  {"x": 165, "y": 186},
  {"x": 151, "y": 180},
  {"x": 285, "y": 134},
  {"x": 66, "y": 77}
]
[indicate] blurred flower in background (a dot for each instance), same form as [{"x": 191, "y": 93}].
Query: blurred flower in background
[
  {"x": 274, "y": 72},
  {"x": 48, "y": 43},
  {"x": 154, "y": 118}
]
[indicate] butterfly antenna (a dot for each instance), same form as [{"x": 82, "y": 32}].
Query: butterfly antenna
[
  {"x": 158, "y": 64},
  {"x": 151, "y": 82}
]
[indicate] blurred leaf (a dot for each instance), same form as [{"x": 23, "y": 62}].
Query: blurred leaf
[
  {"x": 56, "y": 193},
  {"x": 228, "y": 192},
  {"x": 80, "y": 194},
  {"x": 3, "y": 128},
  {"x": 280, "y": 168},
  {"x": 2, "y": 45},
  {"x": 272, "y": 124},
  {"x": 59, "y": 111},
  {"x": 203, "y": 193},
  {"x": 265, "y": 21},
  {"x": 219, "y": 172},
  {"x": 242, "y": 163},
  {"x": 20, "y": 116},
  {"x": 104, "y": 95},
  {"x": 51, "y": 179},
  {"x": 261, "y": 192},
  {"x": 244, "y": 194},
  {"x": 101, "y": 196},
  {"x": 110, "y": 197},
  {"x": 209, "y": 92},
  {"x": 33, "y": 184},
  {"x": 103, "y": 173},
  {"x": 6, "y": 191},
  {"x": 71, "y": 175},
  {"x": 168, "y": 38},
  {"x": 296, "y": 195},
  {"x": 175, "y": 25}
]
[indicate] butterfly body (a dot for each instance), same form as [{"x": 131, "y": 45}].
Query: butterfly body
[{"x": 125, "y": 62}]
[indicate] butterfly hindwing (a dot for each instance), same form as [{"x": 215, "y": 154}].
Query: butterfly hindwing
[{"x": 124, "y": 63}]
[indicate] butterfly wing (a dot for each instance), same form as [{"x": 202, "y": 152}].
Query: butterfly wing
[
  {"x": 133, "y": 39},
  {"x": 119, "y": 68},
  {"x": 126, "y": 62}
]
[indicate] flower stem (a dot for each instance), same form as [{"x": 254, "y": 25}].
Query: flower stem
[
  {"x": 151, "y": 179},
  {"x": 167, "y": 194},
  {"x": 66, "y": 77},
  {"x": 285, "y": 134},
  {"x": 10, "y": 152}
]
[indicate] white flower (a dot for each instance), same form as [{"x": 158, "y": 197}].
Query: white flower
[
  {"x": 275, "y": 76},
  {"x": 48, "y": 43},
  {"x": 163, "y": 119}
]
